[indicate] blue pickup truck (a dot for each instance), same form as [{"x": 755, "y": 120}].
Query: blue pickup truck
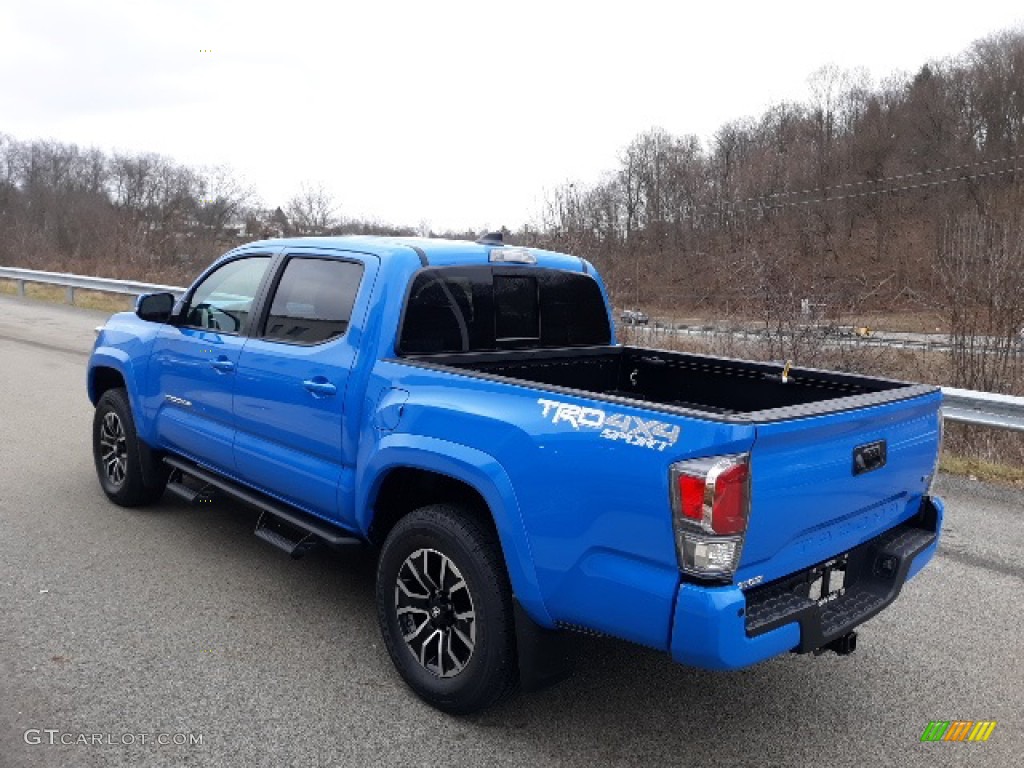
[{"x": 464, "y": 408}]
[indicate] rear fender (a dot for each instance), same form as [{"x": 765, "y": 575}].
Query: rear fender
[{"x": 478, "y": 470}]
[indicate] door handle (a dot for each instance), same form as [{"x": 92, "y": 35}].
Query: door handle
[
  {"x": 320, "y": 387},
  {"x": 223, "y": 365}
]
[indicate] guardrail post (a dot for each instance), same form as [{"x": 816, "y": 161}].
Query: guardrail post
[
  {"x": 69, "y": 294},
  {"x": 20, "y": 287}
]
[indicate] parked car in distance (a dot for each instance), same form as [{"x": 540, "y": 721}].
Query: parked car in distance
[{"x": 635, "y": 317}]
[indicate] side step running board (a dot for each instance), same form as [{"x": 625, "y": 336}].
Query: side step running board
[
  {"x": 288, "y": 529},
  {"x": 289, "y": 540},
  {"x": 187, "y": 494}
]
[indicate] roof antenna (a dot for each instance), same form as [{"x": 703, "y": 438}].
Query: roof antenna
[{"x": 492, "y": 238}]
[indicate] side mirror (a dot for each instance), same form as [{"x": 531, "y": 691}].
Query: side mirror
[{"x": 155, "y": 307}]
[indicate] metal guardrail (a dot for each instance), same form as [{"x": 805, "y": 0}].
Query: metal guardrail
[
  {"x": 960, "y": 405},
  {"x": 72, "y": 283},
  {"x": 984, "y": 408}
]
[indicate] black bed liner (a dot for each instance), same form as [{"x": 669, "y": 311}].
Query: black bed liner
[{"x": 720, "y": 389}]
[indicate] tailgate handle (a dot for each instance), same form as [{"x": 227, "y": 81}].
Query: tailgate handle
[{"x": 869, "y": 457}]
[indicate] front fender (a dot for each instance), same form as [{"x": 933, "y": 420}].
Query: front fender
[
  {"x": 478, "y": 470},
  {"x": 120, "y": 361},
  {"x": 124, "y": 345}
]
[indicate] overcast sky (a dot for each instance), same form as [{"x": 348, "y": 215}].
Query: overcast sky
[{"x": 456, "y": 114}]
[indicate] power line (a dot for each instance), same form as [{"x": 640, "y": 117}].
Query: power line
[
  {"x": 870, "y": 192},
  {"x": 761, "y": 206},
  {"x": 885, "y": 179}
]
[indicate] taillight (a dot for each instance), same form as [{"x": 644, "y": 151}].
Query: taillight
[
  {"x": 729, "y": 508},
  {"x": 710, "y": 506},
  {"x": 691, "y": 491}
]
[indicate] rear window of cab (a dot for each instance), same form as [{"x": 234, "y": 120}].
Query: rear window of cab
[{"x": 487, "y": 308}]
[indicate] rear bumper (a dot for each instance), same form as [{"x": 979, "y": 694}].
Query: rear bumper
[{"x": 727, "y": 628}]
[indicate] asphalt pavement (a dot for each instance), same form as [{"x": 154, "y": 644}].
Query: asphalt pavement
[{"x": 123, "y": 629}]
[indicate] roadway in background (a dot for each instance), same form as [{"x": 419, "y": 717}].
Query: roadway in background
[
  {"x": 828, "y": 336},
  {"x": 175, "y": 619}
]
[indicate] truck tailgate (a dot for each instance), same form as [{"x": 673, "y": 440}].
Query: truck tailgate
[{"x": 816, "y": 491}]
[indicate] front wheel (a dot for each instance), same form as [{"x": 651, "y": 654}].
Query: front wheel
[
  {"x": 445, "y": 609},
  {"x": 118, "y": 454}
]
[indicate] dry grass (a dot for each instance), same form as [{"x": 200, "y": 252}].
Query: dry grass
[
  {"x": 979, "y": 469},
  {"x": 985, "y": 452},
  {"x": 108, "y": 302},
  {"x": 105, "y": 302},
  {"x": 44, "y": 292}
]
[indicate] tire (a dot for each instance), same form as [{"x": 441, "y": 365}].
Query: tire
[
  {"x": 119, "y": 454},
  {"x": 472, "y": 665}
]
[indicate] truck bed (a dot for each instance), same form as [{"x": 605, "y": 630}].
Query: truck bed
[{"x": 713, "y": 387}]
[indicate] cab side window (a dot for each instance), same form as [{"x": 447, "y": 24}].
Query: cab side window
[
  {"x": 313, "y": 301},
  {"x": 223, "y": 300}
]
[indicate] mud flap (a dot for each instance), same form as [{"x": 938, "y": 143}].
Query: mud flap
[{"x": 545, "y": 655}]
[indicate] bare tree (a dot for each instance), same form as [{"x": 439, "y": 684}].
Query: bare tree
[
  {"x": 225, "y": 200},
  {"x": 312, "y": 211},
  {"x": 981, "y": 273}
]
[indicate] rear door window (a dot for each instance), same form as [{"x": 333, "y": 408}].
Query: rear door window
[{"x": 313, "y": 300}]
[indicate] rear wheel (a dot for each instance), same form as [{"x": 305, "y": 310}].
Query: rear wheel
[
  {"x": 119, "y": 454},
  {"x": 445, "y": 609}
]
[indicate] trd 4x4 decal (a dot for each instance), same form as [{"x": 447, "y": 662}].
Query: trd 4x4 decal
[{"x": 646, "y": 433}]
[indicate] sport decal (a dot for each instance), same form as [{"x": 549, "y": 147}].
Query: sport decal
[{"x": 645, "y": 433}]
